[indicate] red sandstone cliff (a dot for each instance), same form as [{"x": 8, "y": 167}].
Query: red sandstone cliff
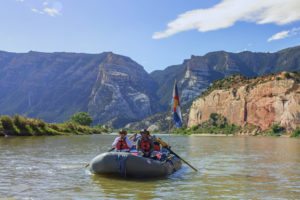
[{"x": 262, "y": 102}]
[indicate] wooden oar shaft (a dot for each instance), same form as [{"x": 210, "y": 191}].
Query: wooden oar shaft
[
  {"x": 165, "y": 145},
  {"x": 183, "y": 160}
]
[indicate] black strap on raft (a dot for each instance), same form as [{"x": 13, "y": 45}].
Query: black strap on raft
[{"x": 122, "y": 164}]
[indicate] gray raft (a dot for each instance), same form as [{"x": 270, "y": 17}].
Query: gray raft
[{"x": 128, "y": 165}]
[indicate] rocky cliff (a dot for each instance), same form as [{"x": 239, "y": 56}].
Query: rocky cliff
[
  {"x": 114, "y": 88},
  {"x": 263, "y": 101},
  {"x": 194, "y": 75},
  {"x": 122, "y": 89},
  {"x": 54, "y": 86}
]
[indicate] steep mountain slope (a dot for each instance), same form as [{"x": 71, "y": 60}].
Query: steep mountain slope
[
  {"x": 258, "y": 102},
  {"x": 197, "y": 73},
  {"x": 114, "y": 88},
  {"x": 123, "y": 89},
  {"x": 53, "y": 86}
]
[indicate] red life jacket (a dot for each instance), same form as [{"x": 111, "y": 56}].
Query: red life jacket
[
  {"x": 121, "y": 144},
  {"x": 145, "y": 144},
  {"x": 156, "y": 147}
]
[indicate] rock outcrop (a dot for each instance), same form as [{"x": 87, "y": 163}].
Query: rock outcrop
[
  {"x": 194, "y": 75},
  {"x": 123, "y": 89},
  {"x": 262, "y": 102},
  {"x": 54, "y": 86},
  {"x": 114, "y": 88}
]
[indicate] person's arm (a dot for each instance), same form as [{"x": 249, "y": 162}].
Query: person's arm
[
  {"x": 114, "y": 144},
  {"x": 134, "y": 137},
  {"x": 129, "y": 143}
]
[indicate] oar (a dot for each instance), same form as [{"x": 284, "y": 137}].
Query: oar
[
  {"x": 87, "y": 165},
  {"x": 165, "y": 145}
]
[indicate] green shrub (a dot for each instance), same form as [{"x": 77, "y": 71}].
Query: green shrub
[
  {"x": 276, "y": 128},
  {"x": 193, "y": 128},
  {"x": 20, "y": 122},
  {"x": 71, "y": 126},
  {"x": 1, "y": 130},
  {"x": 50, "y": 131},
  {"x": 8, "y": 126},
  {"x": 217, "y": 124},
  {"x": 41, "y": 123},
  {"x": 7, "y": 123},
  {"x": 29, "y": 130},
  {"x": 287, "y": 75},
  {"x": 54, "y": 127},
  {"x": 24, "y": 126},
  {"x": 82, "y": 118},
  {"x": 296, "y": 133}
]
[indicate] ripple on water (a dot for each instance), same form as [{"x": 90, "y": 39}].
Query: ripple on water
[{"x": 229, "y": 168}]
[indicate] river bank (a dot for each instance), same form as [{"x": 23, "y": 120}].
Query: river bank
[
  {"x": 23, "y": 126},
  {"x": 231, "y": 135}
]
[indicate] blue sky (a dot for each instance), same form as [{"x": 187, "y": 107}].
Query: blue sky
[{"x": 154, "y": 33}]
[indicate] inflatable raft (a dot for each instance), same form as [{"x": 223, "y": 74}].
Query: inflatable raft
[{"x": 132, "y": 165}]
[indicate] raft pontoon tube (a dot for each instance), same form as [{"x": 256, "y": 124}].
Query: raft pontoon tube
[{"x": 129, "y": 165}]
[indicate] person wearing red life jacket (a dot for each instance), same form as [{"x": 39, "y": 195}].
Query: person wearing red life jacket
[
  {"x": 122, "y": 143},
  {"x": 156, "y": 144},
  {"x": 145, "y": 144}
]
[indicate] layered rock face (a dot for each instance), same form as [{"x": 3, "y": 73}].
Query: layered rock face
[
  {"x": 54, "y": 86},
  {"x": 114, "y": 88},
  {"x": 198, "y": 75},
  {"x": 262, "y": 102},
  {"x": 50, "y": 86},
  {"x": 194, "y": 75},
  {"x": 123, "y": 89}
]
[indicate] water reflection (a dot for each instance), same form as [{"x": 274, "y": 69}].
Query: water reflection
[
  {"x": 230, "y": 167},
  {"x": 120, "y": 188}
]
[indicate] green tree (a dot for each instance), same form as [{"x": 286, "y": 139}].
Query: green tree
[
  {"x": 82, "y": 118},
  {"x": 276, "y": 128},
  {"x": 296, "y": 133}
]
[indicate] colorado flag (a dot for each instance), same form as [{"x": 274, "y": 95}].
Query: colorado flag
[{"x": 176, "y": 108}]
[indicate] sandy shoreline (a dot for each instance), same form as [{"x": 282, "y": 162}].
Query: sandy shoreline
[{"x": 208, "y": 134}]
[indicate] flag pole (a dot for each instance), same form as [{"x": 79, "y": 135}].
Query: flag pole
[{"x": 171, "y": 117}]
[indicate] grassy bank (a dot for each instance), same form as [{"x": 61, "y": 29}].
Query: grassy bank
[
  {"x": 23, "y": 126},
  {"x": 218, "y": 124}
]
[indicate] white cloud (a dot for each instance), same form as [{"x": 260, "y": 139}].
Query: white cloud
[
  {"x": 280, "y": 35},
  {"x": 45, "y": 3},
  {"x": 36, "y": 11},
  {"x": 51, "y": 11},
  {"x": 228, "y": 12},
  {"x": 284, "y": 34},
  {"x": 19, "y": 0}
]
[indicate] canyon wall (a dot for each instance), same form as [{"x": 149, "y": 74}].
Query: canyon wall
[{"x": 262, "y": 102}]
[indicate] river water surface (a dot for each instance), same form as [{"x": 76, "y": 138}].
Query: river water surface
[{"x": 229, "y": 168}]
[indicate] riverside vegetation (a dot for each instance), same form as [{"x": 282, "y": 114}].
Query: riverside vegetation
[
  {"x": 78, "y": 124},
  {"x": 86, "y": 77},
  {"x": 218, "y": 124}
]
